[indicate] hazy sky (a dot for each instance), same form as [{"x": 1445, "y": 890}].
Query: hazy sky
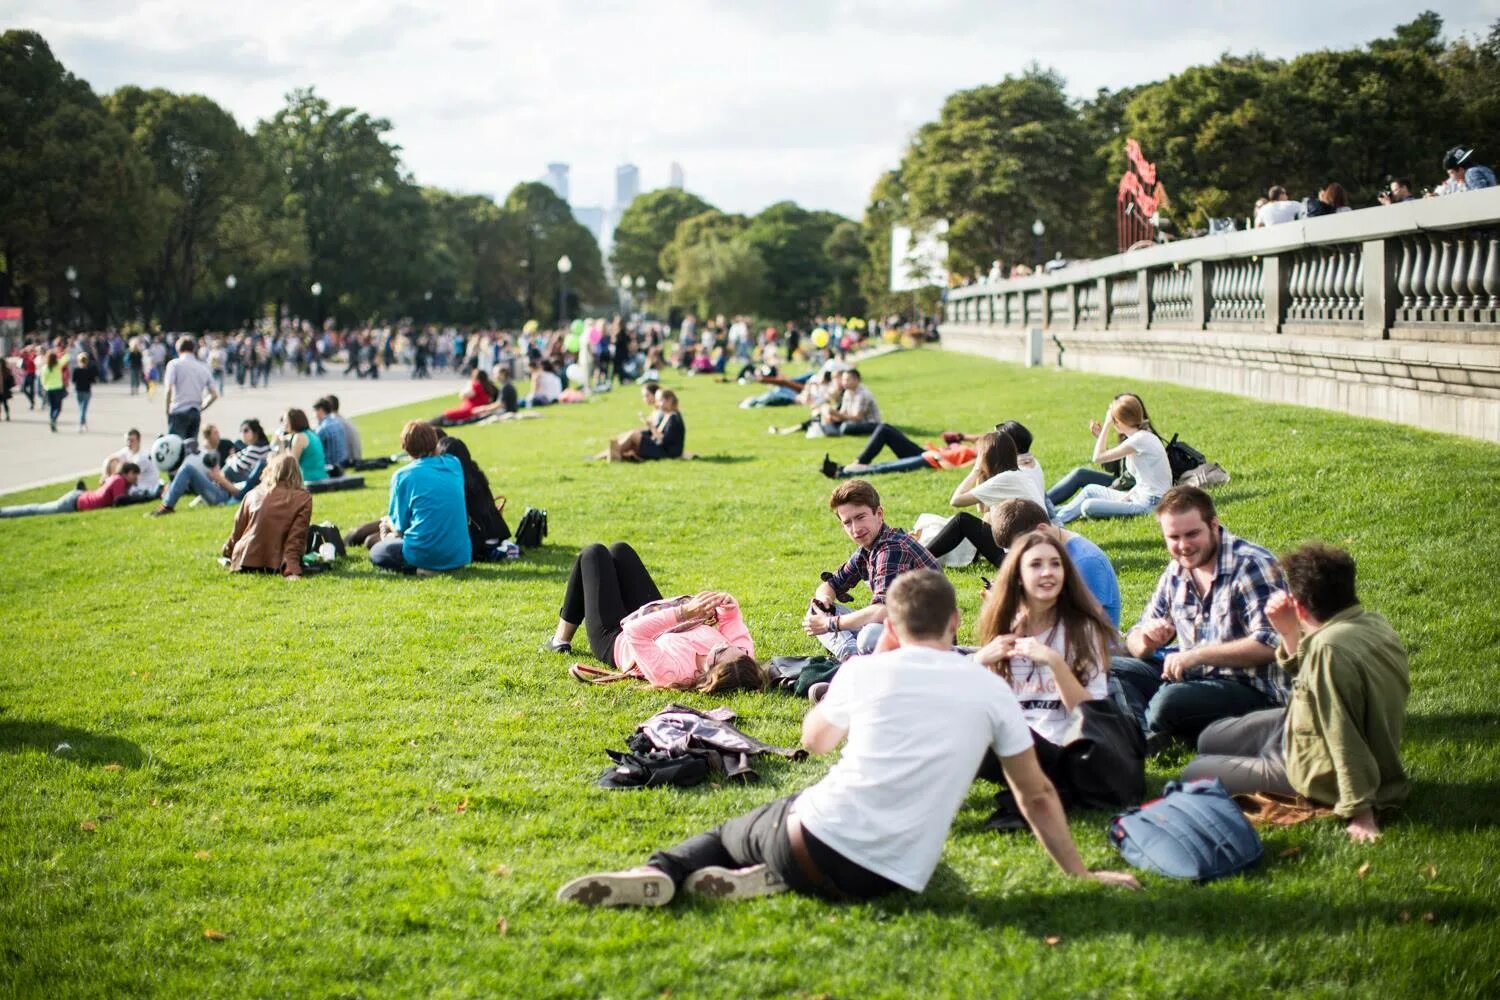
[{"x": 759, "y": 100}]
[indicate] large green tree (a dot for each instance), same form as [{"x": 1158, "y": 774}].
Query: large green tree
[
  {"x": 721, "y": 276},
  {"x": 646, "y": 227},
  {"x": 364, "y": 220},
  {"x": 998, "y": 157},
  {"x": 546, "y": 232},
  {"x": 710, "y": 225},
  {"x": 74, "y": 191},
  {"x": 790, "y": 240},
  {"x": 205, "y": 168}
]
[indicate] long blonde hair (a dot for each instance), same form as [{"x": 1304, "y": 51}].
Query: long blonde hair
[{"x": 283, "y": 470}]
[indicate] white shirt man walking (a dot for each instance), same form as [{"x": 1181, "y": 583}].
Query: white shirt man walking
[{"x": 190, "y": 391}]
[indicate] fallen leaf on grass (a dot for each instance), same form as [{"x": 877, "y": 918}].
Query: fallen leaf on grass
[
  {"x": 1364, "y": 870},
  {"x": 1430, "y": 871},
  {"x": 1053, "y": 940},
  {"x": 503, "y": 926},
  {"x": 463, "y": 806},
  {"x": 214, "y": 935},
  {"x": 88, "y": 826},
  {"x": 113, "y": 767},
  {"x": 500, "y": 870},
  {"x": 201, "y": 855},
  {"x": 1290, "y": 852}
]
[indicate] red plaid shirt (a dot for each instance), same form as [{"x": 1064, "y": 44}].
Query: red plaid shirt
[{"x": 894, "y": 552}]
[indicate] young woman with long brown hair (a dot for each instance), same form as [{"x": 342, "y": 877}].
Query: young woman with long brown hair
[{"x": 1046, "y": 635}]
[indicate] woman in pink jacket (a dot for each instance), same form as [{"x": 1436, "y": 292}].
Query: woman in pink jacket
[{"x": 698, "y": 642}]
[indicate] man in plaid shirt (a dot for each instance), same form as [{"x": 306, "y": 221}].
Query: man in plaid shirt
[
  {"x": 884, "y": 553},
  {"x": 1211, "y": 601}
]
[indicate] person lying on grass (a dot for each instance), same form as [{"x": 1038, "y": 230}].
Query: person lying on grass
[
  {"x": 698, "y": 642},
  {"x": 78, "y": 499},
  {"x": 918, "y": 719},
  {"x": 270, "y": 527},
  {"x": 884, "y": 553},
  {"x": 1339, "y": 742}
]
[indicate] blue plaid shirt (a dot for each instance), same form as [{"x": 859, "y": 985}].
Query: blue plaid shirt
[
  {"x": 335, "y": 444},
  {"x": 1245, "y": 577},
  {"x": 894, "y": 552}
]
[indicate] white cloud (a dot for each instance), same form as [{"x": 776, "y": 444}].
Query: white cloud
[{"x": 760, "y": 100}]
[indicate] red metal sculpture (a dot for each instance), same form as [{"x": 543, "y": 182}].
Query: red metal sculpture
[{"x": 1139, "y": 199}]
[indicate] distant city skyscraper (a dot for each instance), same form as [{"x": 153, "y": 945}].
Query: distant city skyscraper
[
  {"x": 557, "y": 179},
  {"x": 674, "y": 178},
  {"x": 627, "y": 185}
]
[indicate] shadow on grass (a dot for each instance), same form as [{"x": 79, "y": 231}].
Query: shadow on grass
[
  {"x": 725, "y": 459},
  {"x": 79, "y": 746},
  {"x": 1463, "y": 727},
  {"x": 1177, "y": 910}
]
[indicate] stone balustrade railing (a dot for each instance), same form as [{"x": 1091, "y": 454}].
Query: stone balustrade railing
[
  {"x": 1398, "y": 304},
  {"x": 1428, "y": 269}
]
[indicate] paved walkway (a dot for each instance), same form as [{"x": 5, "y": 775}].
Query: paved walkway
[{"x": 31, "y": 455}]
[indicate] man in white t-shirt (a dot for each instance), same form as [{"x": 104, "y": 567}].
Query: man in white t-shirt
[
  {"x": 149, "y": 483},
  {"x": 918, "y": 719},
  {"x": 1277, "y": 209},
  {"x": 190, "y": 390}
]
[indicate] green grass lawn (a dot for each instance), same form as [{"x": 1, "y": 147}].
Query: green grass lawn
[{"x": 371, "y": 785}]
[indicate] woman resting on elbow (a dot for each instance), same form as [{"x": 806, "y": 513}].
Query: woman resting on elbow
[
  {"x": 1045, "y": 634},
  {"x": 1145, "y": 460},
  {"x": 995, "y": 478},
  {"x": 270, "y": 527},
  {"x": 698, "y": 642}
]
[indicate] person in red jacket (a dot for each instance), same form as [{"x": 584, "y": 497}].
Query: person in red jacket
[{"x": 78, "y": 499}]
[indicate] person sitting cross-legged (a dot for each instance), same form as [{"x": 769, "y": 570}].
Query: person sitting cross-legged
[
  {"x": 918, "y": 718},
  {"x": 884, "y": 554},
  {"x": 1339, "y": 741},
  {"x": 1212, "y": 600},
  {"x": 426, "y": 529}
]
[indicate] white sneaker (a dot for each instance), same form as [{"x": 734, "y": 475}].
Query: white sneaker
[
  {"x": 735, "y": 883},
  {"x": 815, "y": 431},
  {"x": 636, "y": 887}
]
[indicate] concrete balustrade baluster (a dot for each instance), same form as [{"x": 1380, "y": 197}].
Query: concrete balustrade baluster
[
  {"x": 1444, "y": 292},
  {"x": 1434, "y": 293},
  {"x": 1403, "y": 277},
  {"x": 1460, "y": 273},
  {"x": 1476, "y": 276}
]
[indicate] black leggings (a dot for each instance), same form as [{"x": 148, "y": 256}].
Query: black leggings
[
  {"x": 964, "y": 525},
  {"x": 605, "y": 586}
]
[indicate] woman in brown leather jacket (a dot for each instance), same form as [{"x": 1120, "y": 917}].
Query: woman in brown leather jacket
[{"x": 270, "y": 528}]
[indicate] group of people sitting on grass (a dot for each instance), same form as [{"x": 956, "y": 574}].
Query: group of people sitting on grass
[{"x": 1271, "y": 669}]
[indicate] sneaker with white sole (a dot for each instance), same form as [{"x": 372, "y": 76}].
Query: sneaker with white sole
[
  {"x": 735, "y": 883},
  {"x": 636, "y": 887}
]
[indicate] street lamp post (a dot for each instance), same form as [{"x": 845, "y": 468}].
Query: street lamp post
[
  {"x": 317, "y": 290},
  {"x": 640, "y": 290},
  {"x": 626, "y": 284},
  {"x": 72, "y": 275},
  {"x": 229, "y": 283},
  {"x": 1037, "y": 229},
  {"x": 564, "y": 265}
]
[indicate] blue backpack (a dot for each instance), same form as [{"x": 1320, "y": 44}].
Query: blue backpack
[{"x": 1194, "y": 831}]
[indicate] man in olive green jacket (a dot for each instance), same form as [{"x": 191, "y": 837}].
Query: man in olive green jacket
[{"x": 1339, "y": 741}]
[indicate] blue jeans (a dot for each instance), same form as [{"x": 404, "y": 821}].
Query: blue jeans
[
  {"x": 387, "y": 554},
  {"x": 65, "y": 504},
  {"x": 1076, "y": 480},
  {"x": 895, "y": 465},
  {"x": 848, "y": 427},
  {"x": 192, "y": 479},
  {"x": 84, "y": 398},
  {"x": 777, "y": 396},
  {"x": 531, "y": 402},
  {"x": 1180, "y": 708},
  {"x": 845, "y": 643},
  {"x": 1100, "y": 501},
  {"x": 55, "y": 399}
]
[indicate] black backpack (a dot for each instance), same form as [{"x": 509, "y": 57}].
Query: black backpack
[
  {"x": 1182, "y": 457},
  {"x": 317, "y": 534},
  {"x": 532, "y": 529}
]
